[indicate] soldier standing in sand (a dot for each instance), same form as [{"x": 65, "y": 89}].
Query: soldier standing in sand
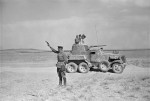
[{"x": 62, "y": 61}]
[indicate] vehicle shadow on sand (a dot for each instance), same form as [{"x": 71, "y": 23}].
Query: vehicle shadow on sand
[{"x": 97, "y": 70}]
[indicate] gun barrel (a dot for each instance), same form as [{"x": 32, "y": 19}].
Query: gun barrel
[{"x": 98, "y": 46}]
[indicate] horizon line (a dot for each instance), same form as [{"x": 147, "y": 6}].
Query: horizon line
[{"x": 70, "y": 49}]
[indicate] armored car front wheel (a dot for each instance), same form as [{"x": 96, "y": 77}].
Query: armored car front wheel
[
  {"x": 71, "y": 67},
  {"x": 117, "y": 68}
]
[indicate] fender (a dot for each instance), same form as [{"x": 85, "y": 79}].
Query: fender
[{"x": 106, "y": 63}]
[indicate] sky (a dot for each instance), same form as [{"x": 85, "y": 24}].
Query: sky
[{"x": 119, "y": 24}]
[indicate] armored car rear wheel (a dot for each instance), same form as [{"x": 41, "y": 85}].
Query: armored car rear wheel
[
  {"x": 83, "y": 67},
  {"x": 104, "y": 66},
  {"x": 117, "y": 68},
  {"x": 71, "y": 67}
]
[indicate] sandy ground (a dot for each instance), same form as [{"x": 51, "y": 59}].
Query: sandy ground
[{"x": 41, "y": 84}]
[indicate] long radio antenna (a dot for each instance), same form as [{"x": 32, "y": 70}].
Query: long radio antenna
[{"x": 96, "y": 34}]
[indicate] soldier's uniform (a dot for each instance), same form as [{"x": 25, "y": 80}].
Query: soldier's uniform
[{"x": 62, "y": 61}]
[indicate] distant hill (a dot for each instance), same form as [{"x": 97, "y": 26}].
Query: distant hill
[
  {"x": 24, "y": 50},
  {"x": 31, "y": 57}
]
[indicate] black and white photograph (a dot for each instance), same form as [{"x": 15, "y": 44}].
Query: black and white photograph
[{"x": 74, "y": 50}]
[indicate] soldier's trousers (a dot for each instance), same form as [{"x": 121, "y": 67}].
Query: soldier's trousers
[{"x": 62, "y": 74}]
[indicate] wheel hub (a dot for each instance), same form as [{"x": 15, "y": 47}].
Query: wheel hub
[
  {"x": 103, "y": 66},
  {"x": 82, "y": 68},
  {"x": 117, "y": 68},
  {"x": 71, "y": 68}
]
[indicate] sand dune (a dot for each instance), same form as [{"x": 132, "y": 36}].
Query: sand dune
[{"x": 41, "y": 84}]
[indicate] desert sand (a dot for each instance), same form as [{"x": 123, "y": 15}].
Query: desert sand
[{"x": 41, "y": 84}]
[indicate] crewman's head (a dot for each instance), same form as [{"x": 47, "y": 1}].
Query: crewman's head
[{"x": 60, "y": 48}]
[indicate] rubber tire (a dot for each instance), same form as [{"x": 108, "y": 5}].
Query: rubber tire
[
  {"x": 83, "y": 67},
  {"x": 71, "y": 67},
  {"x": 104, "y": 66},
  {"x": 115, "y": 67}
]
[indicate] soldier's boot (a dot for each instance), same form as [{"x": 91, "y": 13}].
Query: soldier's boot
[
  {"x": 65, "y": 81},
  {"x": 60, "y": 81}
]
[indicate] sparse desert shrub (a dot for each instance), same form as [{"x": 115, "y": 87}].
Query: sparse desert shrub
[{"x": 142, "y": 62}]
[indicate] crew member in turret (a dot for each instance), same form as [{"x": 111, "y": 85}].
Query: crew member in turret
[
  {"x": 101, "y": 50},
  {"x": 62, "y": 61}
]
